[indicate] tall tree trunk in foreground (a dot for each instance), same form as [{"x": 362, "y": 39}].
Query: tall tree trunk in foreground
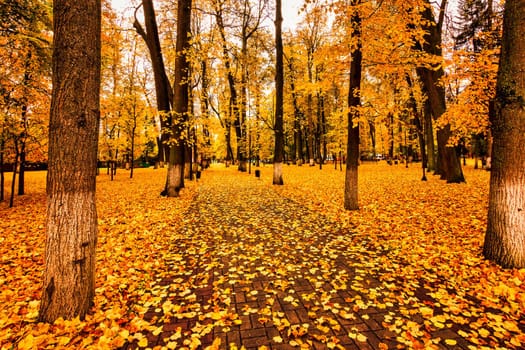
[
  {"x": 279, "y": 90},
  {"x": 69, "y": 277},
  {"x": 354, "y": 101},
  {"x": 175, "y": 177},
  {"x": 505, "y": 236}
]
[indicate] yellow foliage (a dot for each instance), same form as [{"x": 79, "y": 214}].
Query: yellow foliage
[{"x": 415, "y": 237}]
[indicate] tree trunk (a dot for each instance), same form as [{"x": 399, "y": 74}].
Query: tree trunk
[
  {"x": 310, "y": 133},
  {"x": 69, "y": 276},
  {"x": 449, "y": 164},
  {"x": 241, "y": 118},
  {"x": 175, "y": 177},
  {"x": 163, "y": 90},
  {"x": 22, "y": 169},
  {"x": 279, "y": 91},
  {"x": 206, "y": 111},
  {"x": 297, "y": 128},
  {"x": 133, "y": 129},
  {"x": 22, "y": 154},
  {"x": 372, "y": 132},
  {"x": 429, "y": 137},
  {"x": 2, "y": 175},
  {"x": 13, "y": 181},
  {"x": 505, "y": 236},
  {"x": 412, "y": 105},
  {"x": 391, "y": 132},
  {"x": 354, "y": 101},
  {"x": 233, "y": 105}
]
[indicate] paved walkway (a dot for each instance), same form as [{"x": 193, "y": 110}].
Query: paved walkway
[{"x": 254, "y": 270}]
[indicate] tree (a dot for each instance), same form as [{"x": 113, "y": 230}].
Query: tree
[
  {"x": 24, "y": 77},
  {"x": 448, "y": 163},
  {"x": 279, "y": 91},
  {"x": 175, "y": 177},
  {"x": 354, "y": 102},
  {"x": 163, "y": 88},
  {"x": 505, "y": 235},
  {"x": 472, "y": 72},
  {"x": 251, "y": 18},
  {"x": 312, "y": 37},
  {"x": 233, "y": 104},
  {"x": 69, "y": 277}
]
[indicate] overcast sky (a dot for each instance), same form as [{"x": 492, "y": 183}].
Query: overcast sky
[{"x": 290, "y": 10}]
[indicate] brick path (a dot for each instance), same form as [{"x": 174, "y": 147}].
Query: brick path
[{"x": 255, "y": 270}]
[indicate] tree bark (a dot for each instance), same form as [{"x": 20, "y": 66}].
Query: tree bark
[
  {"x": 354, "y": 101},
  {"x": 163, "y": 90},
  {"x": 13, "y": 180},
  {"x": 279, "y": 96},
  {"x": 429, "y": 137},
  {"x": 297, "y": 117},
  {"x": 505, "y": 236},
  {"x": 69, "y": 276},
  {"x": 234, "y": 103},
  {"x": 2, "y": 174},
  {"x": 175, "y": 177},
  {"x": 250, "y": 25},
  {"x": 448, "y": 164}
]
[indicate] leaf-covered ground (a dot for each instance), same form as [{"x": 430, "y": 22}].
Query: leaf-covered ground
[{"x": 238, "y": 262}]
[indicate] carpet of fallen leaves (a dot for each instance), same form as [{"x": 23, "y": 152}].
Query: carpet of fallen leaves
[{"x": 235, "y": 253}]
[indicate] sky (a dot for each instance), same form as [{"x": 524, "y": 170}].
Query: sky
[{"x": 290, "y": 10}]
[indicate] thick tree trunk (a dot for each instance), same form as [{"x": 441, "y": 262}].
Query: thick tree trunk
[
  {"x": 279, "y": 99},
  {"x": 505, "y": 236},
  {"x": 175, "y": 177},
  {"x": 354, "y": 101},
  {"x": 448, "y": 164},
  {"x": 69, "y": 276}
]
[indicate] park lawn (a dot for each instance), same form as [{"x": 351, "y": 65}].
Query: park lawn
[{"x": 435, "y": 229}]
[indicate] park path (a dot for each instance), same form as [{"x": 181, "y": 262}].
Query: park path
[{"x": 255, "y": 270}]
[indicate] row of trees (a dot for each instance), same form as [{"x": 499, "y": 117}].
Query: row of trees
[
  {"x": 24, "y": 81},
  {"x": 232, "y": 111},
  {"x": 385, "y": 57}
]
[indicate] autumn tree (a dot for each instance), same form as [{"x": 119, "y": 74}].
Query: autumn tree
[
  {"x": 505, "y": 235},
  {"x": 471, "y": 77},
  {"x": 354, "y": 102},
  {"x": 279, "y": 91},
  {"x": 69, "y": 276},
  {"x": 111, "y": 110},
  {"x": 164, "y": 92},
  {"x": 311, "y": 35},
  {"x": 251, "y": 16},
  {"x": 448, "y": 163},
  {"x": 24, "y": 77},
  {"x": 234, "y": 113},
  {"x": 175, "y": 177}
]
